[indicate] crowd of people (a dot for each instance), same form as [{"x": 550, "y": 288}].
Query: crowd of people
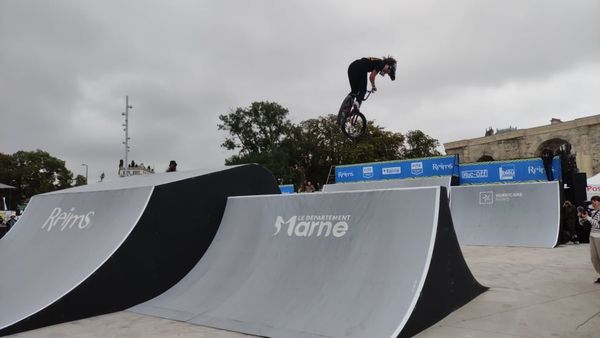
[
  {"x": 5, "y": 226},
  {"x": 581, "y": 224},
  {"x": 590, "y": 217},
  {"x": 307, "y": 186}
]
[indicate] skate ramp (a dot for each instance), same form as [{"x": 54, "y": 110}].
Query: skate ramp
[
  {"x": 521, "y": 214},
  {"x": 348, "y": 264},
  {"x": 436, "y": 181},
  {"x": 101, "y": 248}
]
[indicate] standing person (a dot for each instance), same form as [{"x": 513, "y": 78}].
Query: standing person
[
  {"x": 309, "y": 187},
  {"x": 593, "y": 217},
  {"x": 172, "y": 167},
  {"x": 569, "y": 221},
  {"x": 368, "y": 66},
  {"x": 11, "y": 221}
]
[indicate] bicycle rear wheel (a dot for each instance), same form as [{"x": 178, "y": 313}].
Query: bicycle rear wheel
[{"x": 354, "y": 125}]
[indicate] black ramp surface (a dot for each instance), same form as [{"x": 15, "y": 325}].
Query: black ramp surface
[
  {"x": 521, "y": 214},
  {"x": 347, "y": 264},
  {"x": 106, "y": 247}
]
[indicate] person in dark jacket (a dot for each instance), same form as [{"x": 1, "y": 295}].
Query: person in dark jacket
[{"x": 360, "y": 69}]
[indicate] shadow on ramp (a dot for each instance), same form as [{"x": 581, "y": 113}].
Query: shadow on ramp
[
  {"x": 379, "y": 263},
  {"x": 102, "y": 248}
]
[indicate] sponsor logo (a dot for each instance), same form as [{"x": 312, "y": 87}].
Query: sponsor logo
[
  {"x": 507, "y": 172},
  {"x": 313, "y": 226},
  {"x": 416, "y": 168},
  {"x": 391, "y": 171},
  {"x": 345, "y": 174},
  {"x": 536, "y": 170},
  {"x": 486, "y": 197},
  {"x": 479, "y": 173},
  {"x": 367, "y": 172},
  {"x": 67, "y": 219},
  {"x": 507, "y": 196},
  {"x": 442, "y": 166}
]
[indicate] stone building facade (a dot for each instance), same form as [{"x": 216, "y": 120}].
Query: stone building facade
[{"x": 582, "y": 134}]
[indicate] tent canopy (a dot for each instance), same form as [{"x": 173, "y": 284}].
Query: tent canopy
[{"x": 594, "y": 180}]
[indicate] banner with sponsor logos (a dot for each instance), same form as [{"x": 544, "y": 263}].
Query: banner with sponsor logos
[
  {"x": 413, "y": 168},
  {"x": 286, "y": 188},
  {"x": 507, "y": 171}
]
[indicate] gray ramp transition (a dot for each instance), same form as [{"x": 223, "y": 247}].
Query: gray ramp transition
[
  {"x": 434, "y": 181},
  {"x": 101, "y": 248},
  {"x": 381, "y": 263},
  {"x": 522, "y": 214}
]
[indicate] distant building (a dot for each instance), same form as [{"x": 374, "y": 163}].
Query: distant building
[
  {"x": 582, "y": 134},
  {"x": 134, "y": 169}
]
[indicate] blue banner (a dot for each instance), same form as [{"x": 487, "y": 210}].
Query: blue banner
[
  {"x": 413, "y": 168},
  {"x": 286, "y": 188},
  {"x": 507, "y": 171}
]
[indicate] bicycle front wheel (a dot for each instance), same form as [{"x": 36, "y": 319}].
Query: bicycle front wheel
[{"x": 354, "y": 126}]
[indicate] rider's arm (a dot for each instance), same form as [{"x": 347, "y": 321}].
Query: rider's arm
[{"x": 372, "y": 78}]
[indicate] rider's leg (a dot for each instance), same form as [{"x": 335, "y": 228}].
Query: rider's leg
[{"x": 358, "y": 83}]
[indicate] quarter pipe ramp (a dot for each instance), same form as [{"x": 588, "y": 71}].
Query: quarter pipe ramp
[
  {"x": 379, "y": 263},
  {"x": 520, "y": 214},
  {"x": 101, "y": 248}
]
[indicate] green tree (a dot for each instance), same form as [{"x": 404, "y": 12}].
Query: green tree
[
  {"x": 261, "y": 133},
  {"x": 80, "y": 180},
  {"x": 420, "y": 145},
  {"x": 259, "y": 128},
  {"x": 322, "y": 145},
  {"x": 34, "y": 172}
]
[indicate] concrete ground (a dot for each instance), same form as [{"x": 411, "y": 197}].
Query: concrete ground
[{"x": 533, "y": 293}]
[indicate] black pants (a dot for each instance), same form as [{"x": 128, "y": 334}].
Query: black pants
[{"x": 358, "y": 81}]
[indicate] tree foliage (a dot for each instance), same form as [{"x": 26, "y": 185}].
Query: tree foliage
[
  {"x": 420, "y": 145},
  {"x": 32, "y": 173},
  {"x": 263, "y": 134},
  {"x": 256, "y": 129}
]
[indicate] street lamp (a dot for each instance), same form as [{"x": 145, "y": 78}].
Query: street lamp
[{"x": 86, "y": 172}]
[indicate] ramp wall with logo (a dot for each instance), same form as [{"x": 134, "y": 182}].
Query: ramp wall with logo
[
  {"x": 347, "y": 264},
  {"x": 521, "y": 214},
  {"x": 101, "y": 248}
]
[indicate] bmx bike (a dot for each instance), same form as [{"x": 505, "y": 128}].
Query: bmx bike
[{"x": 352, "y": 122}]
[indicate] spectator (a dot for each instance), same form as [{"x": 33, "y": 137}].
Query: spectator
[
  {"x": 593, "y": 217},
  {"x": 11, "y": 221},
  {"x": 172, "y": 167},
  {"x": 569, "y": 221},
  {"x": 309, "y": 187},
  {"x": 2, "y": 227}
]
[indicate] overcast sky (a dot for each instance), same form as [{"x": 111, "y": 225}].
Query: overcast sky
[{"x": 463, "y": 66}]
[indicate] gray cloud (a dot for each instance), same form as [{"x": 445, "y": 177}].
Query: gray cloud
[{"x": 66, "y": 67}]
